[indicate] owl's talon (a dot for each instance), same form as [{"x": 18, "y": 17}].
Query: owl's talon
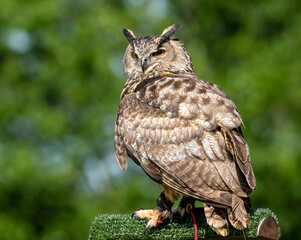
[
  {"x": 166, "y": 214},
  {"x": 153, "y": 217},
  {"x": 134, "y": 213},
  {"x": 161, "y": 217},
  {"x": 148, "y": 226}
]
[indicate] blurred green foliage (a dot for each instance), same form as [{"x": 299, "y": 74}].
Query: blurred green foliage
[{"x": 60, "y": 82}]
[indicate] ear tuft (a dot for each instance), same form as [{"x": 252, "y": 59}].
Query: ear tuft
[
  {"x": 169, "y": 32},
  {"x": 129, "y": 35}
]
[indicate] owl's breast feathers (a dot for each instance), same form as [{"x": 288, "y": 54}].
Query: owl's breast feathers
[{"x": 185, "y": 132}]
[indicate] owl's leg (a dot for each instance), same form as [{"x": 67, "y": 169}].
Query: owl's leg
[
  {"x": 162, "y": 211},
  {"x": 182, "y": 207},
  {"x": 217, "y": 219}
]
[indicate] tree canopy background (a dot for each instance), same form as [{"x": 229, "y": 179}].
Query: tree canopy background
[{"x": 60, "y": 82}]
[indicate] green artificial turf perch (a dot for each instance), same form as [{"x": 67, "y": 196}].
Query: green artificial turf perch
[{"x": 117, "y": 226}]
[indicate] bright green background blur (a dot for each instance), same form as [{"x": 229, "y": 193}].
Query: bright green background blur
[{"x": 60, "y": 82}]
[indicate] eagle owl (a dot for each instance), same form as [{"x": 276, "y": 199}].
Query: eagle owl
[{"x": 184, "y": 132}]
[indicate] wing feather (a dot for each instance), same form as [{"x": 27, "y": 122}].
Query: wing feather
[
  {"x": 240, "y": 151},
  {"x": 183, "y": 128},
  {"x": 120, "y": 149}
]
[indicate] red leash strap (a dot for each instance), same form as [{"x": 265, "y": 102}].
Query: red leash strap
[
  {"x": 189, "y": 211},
  {"x": 159, "y": 220}
]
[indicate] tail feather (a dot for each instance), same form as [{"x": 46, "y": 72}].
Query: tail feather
[
  {"x": 238, "y": 215},
  {"x": 240, "y": 150}
]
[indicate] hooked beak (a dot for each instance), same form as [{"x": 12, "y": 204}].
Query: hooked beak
[{"x": 143, "y": 63}]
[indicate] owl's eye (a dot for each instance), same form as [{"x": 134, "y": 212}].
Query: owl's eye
[
  {"x": 159, "y": 53},
  {"x": 134, "y": 55}
]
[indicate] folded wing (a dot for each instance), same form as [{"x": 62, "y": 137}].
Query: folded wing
[{"x": 185, "y": 133}]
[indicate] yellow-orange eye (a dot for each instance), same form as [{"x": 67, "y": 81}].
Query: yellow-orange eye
[
  {"x": 134, "y": 55},
  {"x": 159, "y": 53}
]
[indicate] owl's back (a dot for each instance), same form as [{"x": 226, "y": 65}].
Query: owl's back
[{"x": 185, "y": 132}]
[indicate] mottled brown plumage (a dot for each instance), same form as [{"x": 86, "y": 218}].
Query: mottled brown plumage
[{"x": 183, "y": 132}]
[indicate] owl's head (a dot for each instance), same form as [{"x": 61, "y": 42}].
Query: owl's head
[{"x": 153, "y": 55}]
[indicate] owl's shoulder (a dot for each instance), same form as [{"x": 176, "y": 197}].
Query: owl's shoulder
[
  {"x": 186, "y": 96},
  {"x": 177, "y": 83}
]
